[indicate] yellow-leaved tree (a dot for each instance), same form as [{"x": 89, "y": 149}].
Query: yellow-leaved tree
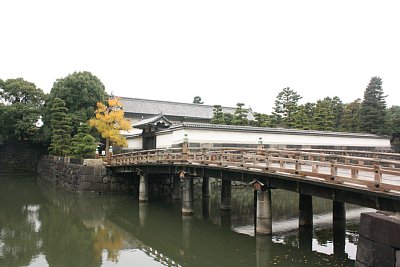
[{"x": 109, "y": 121}]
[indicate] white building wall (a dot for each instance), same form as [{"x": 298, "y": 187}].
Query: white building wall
[
  {"x": 135, "y": 142},
  {"x": 232, "y": 137},
  {"x": 206, "y": 136}
]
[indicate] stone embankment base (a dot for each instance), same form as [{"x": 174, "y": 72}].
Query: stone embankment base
[
  {"x": 379, "y": 240},
  {"x": 90, "y": 175}
]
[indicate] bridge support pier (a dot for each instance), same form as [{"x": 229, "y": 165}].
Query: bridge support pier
[
  {"x": 205, "y": 188},
  {"x": 264, "y": 212},
  {"x": 339, "y": 228},
  {"x": 339, "y": 211},
  {"x": 263, "y": 251},
  {"x": 176, "y": 188},
  {"x": 305, "y": 211},
  {"x": 143, "y": 207},
  {"x": 206, "y": 205},
  {"x": 226, "y": 219},
  {"x": 143, "y": 188},
  {"x": 187, "y": 196},
  {"x": 226, "y": 194}
]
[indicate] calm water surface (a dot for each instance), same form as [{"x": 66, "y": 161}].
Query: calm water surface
[{"x": 42, "y": 225}]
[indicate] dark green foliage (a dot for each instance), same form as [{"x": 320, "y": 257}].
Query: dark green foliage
[
  {"x": 80, "y": 92},
  {"x": 393, "y": 120},
  {"x": 337, "y": 108},
  {"x": 301, "y": 118},
  {"x": 373, "y": 108},
  {"x": 286, "y": 105},
  {"x": 218, "y": 116},
  {"x": 351, "y": 118},
  {"x": 261, "y": 120},
  {"x": 61, "y": 129},
  {"x": 323, "y": 115},
  {"x": 240, "y": 115},
  {"x": 197, "y": 100},
  {"x": 228, "y": 117},
  {"x": 83, "y": 144},
  {"x": 20, "y": 110}
]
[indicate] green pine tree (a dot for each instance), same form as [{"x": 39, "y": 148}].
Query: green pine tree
[
  {"x": 350, "y": 121},
  {"x": 393, "y": 120},
  {"x": 83, "y": 144},
  {"x": 228, "y": 117},
  {"x": 373, "y": 108},
  {"x": 337, "y": 107},
  {"x": 261, "y": 120},
  {"x": 286, "y": 105},
  {"x": 61, "y": 129},
  {"x": 240, "y": 115},
  {"x": 324, "y": 115},
  {"x": 301, "y": 119},
  {"x": 218, "y": 116}
]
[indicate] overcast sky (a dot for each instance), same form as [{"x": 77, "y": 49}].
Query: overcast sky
[{"x": 224, "y": 51}]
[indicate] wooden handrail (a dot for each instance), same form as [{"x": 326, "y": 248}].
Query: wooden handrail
[{"x": 368, "y": 172}]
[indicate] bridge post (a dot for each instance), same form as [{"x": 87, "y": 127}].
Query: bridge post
[
  {"x": 305, "y": 238},
  {"x": 339, "y": 211},
  {"x": 206, "y": 205},
  {"x": 226, "y": 194},
  {"x": 305, "y": 211},
  {"x": 263, "y": 251},
  {"x": 226, "y": 219},
  {"x": 264, "y": 212},
  {"x": 205, "y": 188},
  {"x": 143, "y": 188},
  {"x": 176, "y": 188},
  {"x": 187, "y": 194}
]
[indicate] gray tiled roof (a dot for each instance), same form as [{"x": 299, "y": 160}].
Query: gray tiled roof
[
  {"x": 147, "y": 106},
  {"x": 152, "y": 120}
]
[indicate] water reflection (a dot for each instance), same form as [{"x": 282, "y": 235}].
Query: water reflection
[{"x": 46, "y": 223}]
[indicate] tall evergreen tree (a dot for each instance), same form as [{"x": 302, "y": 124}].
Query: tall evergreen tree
[
  {"x": 80, "y": 92},
  {"x": 337, "y": 108},
  {"x": 286, "y": 105},
  {"x": 350, "y": 121},
  {"x": 323, "y": 115},
  {"x": 83, "y": 145},
  {"x": 61, "y": 129},
  {"x": 373, "y": 108},
  {"x": 240, "y": 115},
  {"x": 218, "y": 116},
  {"x": 301, "y": 119}
]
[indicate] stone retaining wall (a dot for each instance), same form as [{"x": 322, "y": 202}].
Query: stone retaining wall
[
  {"x": 91, "y": 176},
  {"x": 379, "y": 240},
  {"x": 20, "y": 157}
]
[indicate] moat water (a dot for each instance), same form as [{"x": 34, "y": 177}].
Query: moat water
[{"x": 43, "y": 225}]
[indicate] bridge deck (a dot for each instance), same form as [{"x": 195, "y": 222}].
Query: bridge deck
[{"x": 374, "y": 173}]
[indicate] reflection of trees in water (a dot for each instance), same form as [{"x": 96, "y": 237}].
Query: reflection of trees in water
[
  {"x": 66, "y": 241},
  {"x": 19, "y": 232},
  {"x": 75, "y": 232},
  {"x": 108, "y": 237}
]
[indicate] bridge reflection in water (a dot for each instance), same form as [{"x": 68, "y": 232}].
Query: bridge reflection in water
[{"x": 93, "y": 230}]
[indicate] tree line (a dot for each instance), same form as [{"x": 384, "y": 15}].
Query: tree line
[
  {"x": 369, "y": 115},
  {"x": 70, "y": 121}
]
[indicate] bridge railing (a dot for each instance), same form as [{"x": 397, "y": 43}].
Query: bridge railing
[{"x": 373, "y": 173}]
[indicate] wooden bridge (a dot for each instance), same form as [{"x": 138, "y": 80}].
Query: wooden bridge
[{"x": 370, "y": 179}]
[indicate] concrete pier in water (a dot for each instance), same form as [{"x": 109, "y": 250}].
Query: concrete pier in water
[
  {"x": 264, "y": 212},
  {"x": 143, "y": 188},
  {"x": 226, "y": 194}
]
